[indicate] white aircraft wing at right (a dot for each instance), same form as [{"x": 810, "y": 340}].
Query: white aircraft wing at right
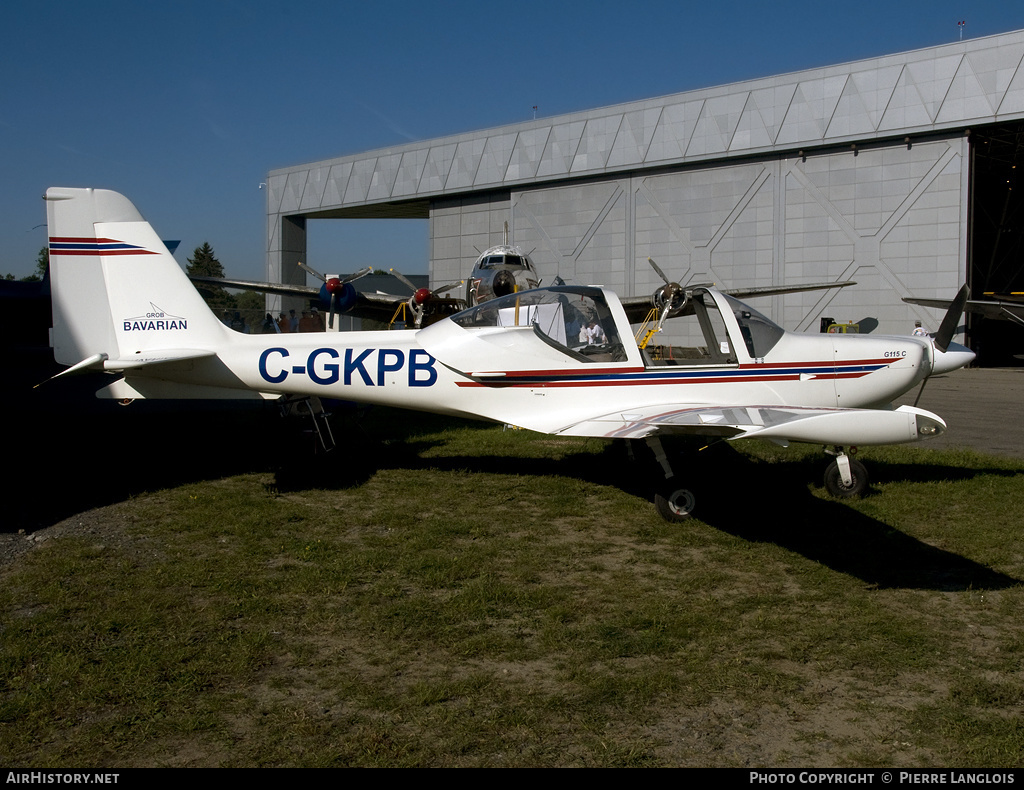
[{"x": 778, "y": 423}]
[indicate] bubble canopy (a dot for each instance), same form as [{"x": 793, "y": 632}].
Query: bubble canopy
[{"x": 577, "y": 320}]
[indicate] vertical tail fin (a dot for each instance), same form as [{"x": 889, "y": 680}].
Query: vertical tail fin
[{"x": 116, "y": 289}]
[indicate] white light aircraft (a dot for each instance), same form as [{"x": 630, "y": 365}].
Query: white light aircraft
[{"x": 559, "y": 360}]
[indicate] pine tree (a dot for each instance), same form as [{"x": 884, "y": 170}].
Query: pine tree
[{"x": 204, "y": 263}]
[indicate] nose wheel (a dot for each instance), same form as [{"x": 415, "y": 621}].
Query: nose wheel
[{"x": 846, "y": 477}]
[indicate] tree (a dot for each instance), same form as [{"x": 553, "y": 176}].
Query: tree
[
  {"x": 204, "y": 263},
  {"x": 42, "y": 265},
  {"x": 252, "y": 301}
]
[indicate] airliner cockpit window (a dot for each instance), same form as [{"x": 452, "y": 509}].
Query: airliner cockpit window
[
  {"x": 502, "y": 260},
  {"x": 577, "y": 321}
]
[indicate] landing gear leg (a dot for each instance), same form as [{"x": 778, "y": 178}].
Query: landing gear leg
[
  {"x": 312, "y": 407},
  {"x": 673, "y": 504},
  {"x": 845, "y": 477},
  {"x": 659, "y": 452}
]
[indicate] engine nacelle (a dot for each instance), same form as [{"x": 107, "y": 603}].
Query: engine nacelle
[
  {"x": 344, "y": 294},
  {"x": 504, "y": 283},
  {"x": 671, "y": 295}
]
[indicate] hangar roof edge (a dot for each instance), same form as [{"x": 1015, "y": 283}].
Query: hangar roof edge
[{"x": 975, "y": 81}]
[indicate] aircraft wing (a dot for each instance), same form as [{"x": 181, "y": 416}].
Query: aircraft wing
[
  {"x": 280, "y": 289},
  {"x": 375, "y": 306},
  {"x": 637, "y": 307},
  {"x": 1012, "y": 296},
  {"x": 1006, "y": 311},
  {"x": 779, "y": 423}
]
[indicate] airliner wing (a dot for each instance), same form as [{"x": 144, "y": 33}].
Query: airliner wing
[
  {"x": 637, "y": 307},
  {"x": 280, "y": 289},
  {"x": 1007, "y": 311},
  {"x": 779, "y": 423},
  {"x": 375, "y": 306}
]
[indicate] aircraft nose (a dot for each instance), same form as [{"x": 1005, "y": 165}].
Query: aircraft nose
[{"x": 953, "y": 358}]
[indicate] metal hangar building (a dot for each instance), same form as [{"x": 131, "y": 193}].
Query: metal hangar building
[{"x": 897, "y": 172}]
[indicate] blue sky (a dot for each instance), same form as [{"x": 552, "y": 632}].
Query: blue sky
[{"x": 185, "y": 106}]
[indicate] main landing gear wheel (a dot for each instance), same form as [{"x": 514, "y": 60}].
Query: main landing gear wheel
[
  {"x": 676, "y": 506},
  {"x": 834, "y": 480}
]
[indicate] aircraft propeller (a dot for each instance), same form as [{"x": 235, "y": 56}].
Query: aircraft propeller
[
  {"x": 947, "y": 328},
  {"x": 341, "y": 292},
  {"x": 671, "y": 297},
  {"x": 420, "y": 296},
  {"x": 951, "y": 320}
]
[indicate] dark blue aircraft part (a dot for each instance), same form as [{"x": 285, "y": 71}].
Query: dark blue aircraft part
[{"x": 345, "y": 299}]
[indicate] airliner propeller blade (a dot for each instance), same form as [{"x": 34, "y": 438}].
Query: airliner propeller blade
[
  {"x": 404, "y": 279},
  {"x": 357, "y": 275},
  {"x": 659, "y": 271},
  {"x": 311, "y": 270},
  {"x": 447, "y": 287}
]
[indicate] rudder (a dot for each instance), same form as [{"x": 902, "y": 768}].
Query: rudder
[{"x": 116, "y": 289}]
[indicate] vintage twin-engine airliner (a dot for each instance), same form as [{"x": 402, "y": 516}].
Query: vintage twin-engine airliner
[
  {"x": 559, "y": 360},
  {"x": 497, "y": 271}
]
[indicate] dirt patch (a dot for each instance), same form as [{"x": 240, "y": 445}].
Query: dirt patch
[{"x": 105, "y": 525}]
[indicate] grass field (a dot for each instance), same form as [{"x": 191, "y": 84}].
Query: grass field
[{"x": 456, "y": 595}]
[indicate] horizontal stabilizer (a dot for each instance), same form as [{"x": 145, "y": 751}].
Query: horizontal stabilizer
[{"x": 157, "y": 357}]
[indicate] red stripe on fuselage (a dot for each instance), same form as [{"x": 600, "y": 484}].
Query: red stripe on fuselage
[
  {"x": 711, "y": 379},
  {"x": 102, "y": 252}
]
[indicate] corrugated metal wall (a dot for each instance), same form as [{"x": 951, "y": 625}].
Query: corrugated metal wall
[{"x": 892, "y": 217}]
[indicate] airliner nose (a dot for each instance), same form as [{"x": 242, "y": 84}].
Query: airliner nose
[{"x": 953, "y": 358}]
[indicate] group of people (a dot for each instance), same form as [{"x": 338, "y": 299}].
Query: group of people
[
  {"x": 581, "y": 326},
  {"x": 308, "y": 321},
  {"x": 592, "y": 334}
]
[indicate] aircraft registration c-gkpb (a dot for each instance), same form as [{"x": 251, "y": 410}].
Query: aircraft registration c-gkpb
[{"x": 560, "y": 360}]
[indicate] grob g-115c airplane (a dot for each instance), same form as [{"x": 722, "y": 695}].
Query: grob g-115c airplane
[{"x": 560, "y": 360}]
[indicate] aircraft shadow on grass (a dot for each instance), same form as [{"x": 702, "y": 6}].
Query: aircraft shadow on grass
[
  {"x": 63, "y": 470},
  {"x": 773, "y": 504}
]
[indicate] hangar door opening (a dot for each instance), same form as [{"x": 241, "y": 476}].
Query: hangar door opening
[{"x": 996, "y": 249}]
